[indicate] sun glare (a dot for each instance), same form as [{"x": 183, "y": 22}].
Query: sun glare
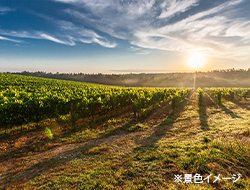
[{"x": 196, "y": 60}]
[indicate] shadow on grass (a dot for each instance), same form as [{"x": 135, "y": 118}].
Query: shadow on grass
[
  {"x": 92, "y": 121},
  {"x": 228, "y": 111},
  {"x": 242, "y": 105},
  {"x": 161, "y": 130},
  {"x": 81, "y": 150},
  {"x": 61, "y": 158},
  {"x": 68, "y": 131},
  {"x": 64, "y": 157},
  {"x": 203, "y": 118}
]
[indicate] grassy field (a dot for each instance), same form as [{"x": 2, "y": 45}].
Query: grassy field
[{"x": 117, "y": 151}]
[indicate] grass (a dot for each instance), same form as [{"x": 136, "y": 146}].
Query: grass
[{"x": 126, "y": 153}]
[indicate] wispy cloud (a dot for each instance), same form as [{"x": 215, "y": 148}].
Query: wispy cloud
[
  {"x": 67, "y": 1},
  {"x": 104, "y": 43},
  {"x": 216, "y": 30},
  {"x": 35, "y": 35},
  {"x": 8, "y": 39},
  {"x": 171, "y": 8},
  {"x": 73, "y": 35},
  {"x": 4, "y": 10},
  {"x": 53, "y": 39},
  {"x": 213, "y": 29},
  {"x": 67, "y": 33},
  {"x": 140, "y": 51},
  {"x": 81, "y": 34}
]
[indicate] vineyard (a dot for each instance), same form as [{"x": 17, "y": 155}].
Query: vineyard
[
  {"x": 28, "y": 99},
  {"x": 107, "y": 137}
]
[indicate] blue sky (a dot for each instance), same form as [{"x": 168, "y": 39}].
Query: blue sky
[{"x": 108, "y": 36}]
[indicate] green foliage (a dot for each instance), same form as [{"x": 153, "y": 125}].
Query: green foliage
[
  {"x": 206, "y": 139},
  {"x": 49, "y": 133},
  {"x": 30, "y": 99},
  {"x": 200, "y": 94},
  {"x": 178, "y": 97},
  {"x": 228, "y": 93}
]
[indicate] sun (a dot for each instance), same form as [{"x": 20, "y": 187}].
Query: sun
[{"x": 196, "y": 60}]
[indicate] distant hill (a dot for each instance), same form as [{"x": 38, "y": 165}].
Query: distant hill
[{"x": 215, "y": 78}]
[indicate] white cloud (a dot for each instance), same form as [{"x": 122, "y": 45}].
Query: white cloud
[
  {"x": 152, "y": 24},
  {"x": 129, "y": 19},
  {"x": 138, "y": 50},
  {"x": 210, "y": 30},
  {"x": 64, "y": 25},
  {"x": 104, "y": 43},
  {"x": 141, "y": 23},
  {"x": 67, "y": 1},
  {"x": 170, "y": 8},
  {"x": 53, "y": 39},
  {"x": 37, "y": 35},
  {"x": 4, "y": 10},
  {"x": 84, "y": 35},
  {"x": 72, "y": 35},
  {"x": 143, "y": 52},
  {"x": 86, "y": 41},
  {"x": 8, "y": 39}
]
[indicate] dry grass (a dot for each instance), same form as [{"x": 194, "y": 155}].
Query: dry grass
[{"x": 123, "y": 153}]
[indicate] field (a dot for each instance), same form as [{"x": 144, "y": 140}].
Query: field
[{"x": 68, "y": 135}]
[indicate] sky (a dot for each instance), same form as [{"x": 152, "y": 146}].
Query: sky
[{"x": 120, "y": 36}]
